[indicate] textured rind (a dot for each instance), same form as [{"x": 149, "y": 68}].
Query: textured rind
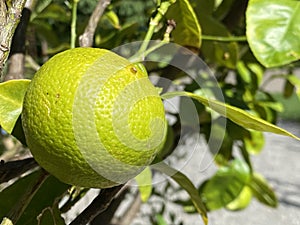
[{"x": 48, "y": 119}]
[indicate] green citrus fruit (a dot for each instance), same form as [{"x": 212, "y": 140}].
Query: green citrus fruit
[{"x": 92, "y": 118}]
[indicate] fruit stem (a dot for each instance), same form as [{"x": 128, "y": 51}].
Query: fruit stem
[
  {"x": 154, "y": 21},
  {"x": 73, "y": 23},
  {"x": 140, "y": 57}
]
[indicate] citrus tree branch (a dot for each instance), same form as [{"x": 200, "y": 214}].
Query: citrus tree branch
[
  {"x": 86, "y": 39},
  {"x": 98, "y": 205},
  {"x": 17, "y": 52},
  {"x": 10, "y": 15},
  {"x": 13, "y": 169}
]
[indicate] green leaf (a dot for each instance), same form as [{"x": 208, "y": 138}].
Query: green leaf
[
  {"x": 11, "y": 102},
  {"x": 187, "y": 185},
  {"x": 113, "y": 18},
  {"x": 295, "y": 81},
  {"x": 11, "y": 195},
  {"x": 187, "y": 31},
  {"x": 242, "y": 201},
  {"x": 54, "y": 12},
  {"x": 235, "y": 114},
  {"x": 222, "y": 53},
  {"x": 255, "y": 142},
  {"x": 273, "y": 31},
  {"x": 262, "y": 190},
  {"x": 50, "y": 216},
  {"x": 41, "y": 5},
  {"x": 226, "y": 184},
  {"x": 160, "y": 220},
  {"x": 144, "y": 181},
  {"x": 43, "y": 198}
]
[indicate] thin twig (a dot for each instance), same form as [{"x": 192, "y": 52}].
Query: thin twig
[
  {"x": 10, "y": 18},
  {"x": 86, "y": 39},
  {"x": 223, "y": 39},
  {"x": 13, "y": 169},
  {"x": 98, "y": 205}
]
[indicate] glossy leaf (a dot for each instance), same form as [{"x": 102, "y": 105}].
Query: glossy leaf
[
  {"x": 11, "y": 102},
  {"x": 225, "y": 185},
  {"x": 262, "y": 191},
  {"x": 273, "y": 31},
  {"x": 235, "y": 114},
  {"x": 186, "y": 184},
  {"x": 188, "y": 31},
  {"x": 144, "y": 181}
]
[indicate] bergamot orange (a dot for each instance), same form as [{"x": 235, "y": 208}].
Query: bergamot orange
[{"x": 92, "y": 118}]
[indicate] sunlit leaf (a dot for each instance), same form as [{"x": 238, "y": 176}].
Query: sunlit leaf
[
  {"x": 186, "y": 184},
  {"x": 242, "y": 201},
  {"x": 255, "y": 142},
  {"x": 295, "y": 81},
  {"x": 235, "y": 114},
  {"x": 187, "y": 31},
  {"x": 262, "y": 190},
  {"x": 225, "y": 185},
  {"x": 11, "y": 102},
  {"x": 144, "y": 181},
  {"x": 273, "y": 31},
  {"x": 113, "y": 18},
  {"x": 6, "y": 221},
  {"x": 160, "y": 220}
]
